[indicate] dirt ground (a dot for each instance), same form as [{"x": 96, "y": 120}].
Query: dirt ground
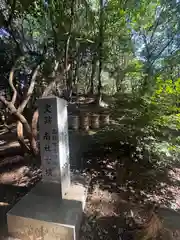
[{"x": 117, "y": 185}]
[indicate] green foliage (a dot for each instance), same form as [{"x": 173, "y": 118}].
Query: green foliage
[
  {"x": 151, "y": 123},
  {"x": 166, "y": 95},
  {"x": 140, "y": 60}
]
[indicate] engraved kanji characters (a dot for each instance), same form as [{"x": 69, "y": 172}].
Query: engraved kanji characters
[
  {"x": 47, "y": 148},
  {"x": 54, "y": 134},
  {"x": 46, "y": 136},
  {"x": 48, "y": 108},
  {"x": 47, "y": 120},
  {"x": 48, "y": 160},
  {"x": 48, "y": 172}
]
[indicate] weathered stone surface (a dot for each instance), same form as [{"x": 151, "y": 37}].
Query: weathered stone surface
[
  {"x": 53, "y": 209},
  {"x": 30, "y": 229},
  {"x": 54, "y": 142},
  {"x": 37, "y": 217}
]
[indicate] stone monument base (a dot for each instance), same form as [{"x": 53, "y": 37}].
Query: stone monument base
[{"x": 37, "y": 217}]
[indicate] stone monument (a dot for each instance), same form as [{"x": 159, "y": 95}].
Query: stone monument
[
  {"x": 53, "y": 209},
  {"x": 54, "y": 145}
]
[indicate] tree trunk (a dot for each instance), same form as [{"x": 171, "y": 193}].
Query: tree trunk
[
  {"x": 119, "y": 79},
  {"x": 100, "y": 50},
  {"x": 147, "y": 79},
  {"x": 34, "y": 132},
  {"x": 92, "y": 75},
  {"x": 67, "y": 46},
  {"x": 20, "y": 137},
  {"x": 76, "y": 75},
  {"x": 18, "y": 112},
  {"x": 21, "y": 122},
  {"x": 70, "y": 84}
]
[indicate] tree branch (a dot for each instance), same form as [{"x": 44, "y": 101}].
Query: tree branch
[
  {"x": 18, "y": 115},
  {"x": 155, "y": 27},
  {"x": 19, "y": 47},
  {"x": 54, "y": 81},
  {"x": 162, "y": 50},
  {"x": 30, "y": 90},
  {"x": 11, "y": 76},
  {"x": 54, "y": 31},
  {"x": 69, "y": 35},
  {"x": 12, "y": 12},
  {"x": 146, "y": 46}
]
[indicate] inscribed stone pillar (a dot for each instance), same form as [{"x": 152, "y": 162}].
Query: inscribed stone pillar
[{"x": 54, "y": 142}]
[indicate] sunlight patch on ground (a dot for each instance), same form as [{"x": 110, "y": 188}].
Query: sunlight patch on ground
[
  {"x": 102, "y": 202},
  {"x": 2, "y": 204}
]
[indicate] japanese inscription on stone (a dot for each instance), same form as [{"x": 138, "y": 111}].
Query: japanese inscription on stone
[
  {"x": 49, "y": 139},
  {"x": 54, "y": 145},
  {"x": 40, "y": 230}
]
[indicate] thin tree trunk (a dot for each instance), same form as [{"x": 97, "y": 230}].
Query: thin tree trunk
[
  {"x": 18, "y": 115},
  {"x": 100, "y": 49},
  {"x": 21, "y": 120},
  {"x": 93, "y": 74},
  {"x": 21, "y": 109},
  {"x": 69, "y": 80},
  {"x": 76, "y": 75},
  {"x": 20, "y": 137},
  {"x": 34, "y": 131}
]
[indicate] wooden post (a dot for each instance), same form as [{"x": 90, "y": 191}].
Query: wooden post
[
  {"x": 95, "y": 121},
  {"x": 84, "y": 121},
  {"x": 104, "y": 119}
]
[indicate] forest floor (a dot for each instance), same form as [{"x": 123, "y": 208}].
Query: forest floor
[{"x": 117, "y": 185}]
